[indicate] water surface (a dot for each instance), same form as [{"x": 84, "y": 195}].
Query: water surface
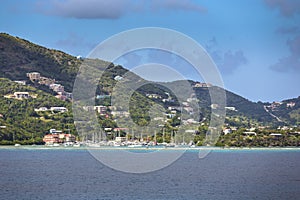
[{"x": 30, "y": 173}]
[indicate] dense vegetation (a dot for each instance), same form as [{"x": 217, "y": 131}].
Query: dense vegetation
[{"x": 19, "y": 121}]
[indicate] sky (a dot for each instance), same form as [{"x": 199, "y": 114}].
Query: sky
[{"x": 255, "y": 44}]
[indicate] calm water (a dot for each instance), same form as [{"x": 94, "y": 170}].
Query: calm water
[{"x": 223, "y": 174}]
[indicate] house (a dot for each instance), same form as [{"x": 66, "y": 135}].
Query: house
[
  {"x": 120, "y": 139},
  {"x": 290, "y": 104},
  {"x": 120, "y": 113},
  {"x": 58, "y": 109},
  {"x": 61, "y": 97},
  {"x": 118, "y": 78},
  {"x": 104, "y": 96},
  {"x": 168, "y": 100},
  {"x": 46, "y": 81},
  {"x": 249, "y": 133},
  {"x": 227, "y": 131},
  {"x": 230, "y": 108},
  {"x": 21, "y": 82},
  {"x": 54, "y": 131},
  {"x": 67, "y": 137},
  {"x": 34, "y": 76},
  {"x": 192, "y": 99},
  {"x": 57, "y": 87},
  {"x": 41, "y": 109},
  {"x": 214, "y": 106},
  {"x": 202, "y": 85},
  {"x": 153, "y": 96},
  {"x": 58, "y": 138},
  {"x": 101, "y": 109},
  {"x": 21, "y": 95},
  {"x": 51, "y": 138},
  {"x": 174, "y": 108},
  {"x": 276, "y": 134}
]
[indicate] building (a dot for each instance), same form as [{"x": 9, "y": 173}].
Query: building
[
  {"x": 102, "y": 96},
  {"x": 58, "y": 109},
  {"x": 54, "y": 131},
  {"x": 230, "y": 108},
  {"x": 250, "y": 133},
  {"x": 34, "y": 76},
  {"x": 58, "y": 138},
  {"x": 21, "y": 95},
  {"x": 202, "y": 85},
  {"x": 21, "y": 82},
  {"x": 57, "y": 87},
  {"x": 46, "y": 81},
  {"x": 118, "y": 78},
  {"x": 51, "y": 138},
  {"x": 276, "y": 134},
  {"x": 290, "y": 104},
  {"x": 41, "y": 109},
  {"x": 66, "y": 137},
  {"x": 120, "y": 113},
  {"x": 214, "y": 106},
  {"x": 227, "y": 131},
  {"x": 100, "y": 109},
  {"x": 153, "y": 96},
  {"x": 120, "y": 139}
]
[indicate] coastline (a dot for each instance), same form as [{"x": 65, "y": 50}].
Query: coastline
[{"x": 42, "y": 147}]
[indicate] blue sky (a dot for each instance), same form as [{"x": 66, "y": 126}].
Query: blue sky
[{"x": 254, "y": 43}]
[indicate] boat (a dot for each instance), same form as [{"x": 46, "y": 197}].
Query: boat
[
  {"x": 77, "y": 145},
  {"x": 68, "y": 144},
  {"x": 17, "y": 145},
  {"x": 134, "y": 145},
  {"x": 170, "y": 145}
]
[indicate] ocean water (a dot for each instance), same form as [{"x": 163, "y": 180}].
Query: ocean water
[{"x": 223, "y": 174}]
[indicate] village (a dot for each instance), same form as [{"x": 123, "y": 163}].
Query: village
[{"x": 121, "y": 137}]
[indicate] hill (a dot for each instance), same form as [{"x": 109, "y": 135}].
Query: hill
[{"x": 19, "y": 57}]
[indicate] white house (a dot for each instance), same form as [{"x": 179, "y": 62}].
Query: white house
[
  {"x": 21, "y": 95},
  {"x": 59, "y": 109}
]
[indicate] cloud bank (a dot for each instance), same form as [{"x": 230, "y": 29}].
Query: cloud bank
[
  {"x": 292, "y": 61},
  {"x": 112, "y": 9},
  {"x": 286, "y": 8},
  {"x": 227, "y": 62}
]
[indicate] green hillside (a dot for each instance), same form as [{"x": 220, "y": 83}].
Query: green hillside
[
  {"x": 21, "y": 122},
  {"x": 18, "y": 57}
]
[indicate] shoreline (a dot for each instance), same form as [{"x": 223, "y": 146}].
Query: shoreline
[{"x": 42, "y": 147}]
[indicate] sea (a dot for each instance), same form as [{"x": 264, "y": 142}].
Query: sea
[{"x": 69, "y": 173}]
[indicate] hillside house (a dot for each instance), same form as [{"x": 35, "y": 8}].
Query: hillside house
[
  {"x": 58, "y": 109},
  {"x": 57, "y": 87},
  {"x": 41, "y": 109},
  {"x": 100, "y": 109},
  {"x": 21, "y": 95},
  {"x": 34, "y": 76},
  {"x": 21, "y": 82}
]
